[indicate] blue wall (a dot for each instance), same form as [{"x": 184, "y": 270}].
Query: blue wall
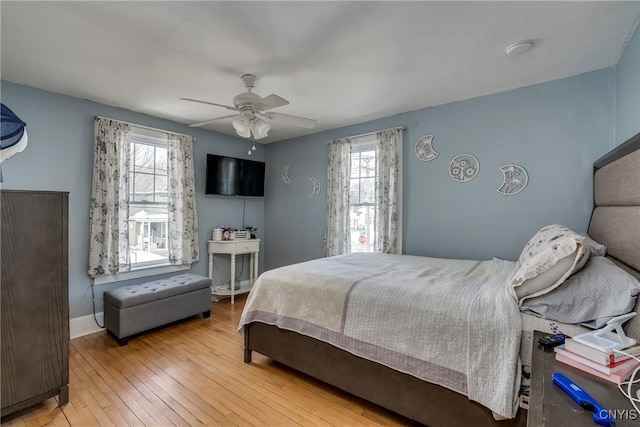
[
  {"x": 627, "y": 92},
  {"x": 59, "y": 156},
  {"x": 555, "y": 130}
]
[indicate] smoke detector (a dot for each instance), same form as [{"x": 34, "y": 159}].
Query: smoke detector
[{"x": 520, "y": 47}]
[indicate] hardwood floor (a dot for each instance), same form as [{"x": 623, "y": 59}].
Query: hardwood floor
[{"x": 192, "y": 373}]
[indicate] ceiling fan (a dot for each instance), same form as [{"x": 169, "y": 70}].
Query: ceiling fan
[{"x": 252, "y": 117}]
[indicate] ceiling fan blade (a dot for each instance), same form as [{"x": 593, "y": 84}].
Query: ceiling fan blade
[
  {"x": 292, "y": 120},
  {"x": 195, "y": 125},
  {"x": 210, "y": 103},
  {"x": 269, "y": 102}
]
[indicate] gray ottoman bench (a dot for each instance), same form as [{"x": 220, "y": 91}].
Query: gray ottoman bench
[{"x": 129, "y": 310}]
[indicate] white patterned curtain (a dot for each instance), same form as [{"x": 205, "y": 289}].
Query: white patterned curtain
[
  {"x": 337, "y": 237},
  {"x": 183, "y": 216},
  {"x": 388, "y": 194},
  {"x": 109, "y": 210}
]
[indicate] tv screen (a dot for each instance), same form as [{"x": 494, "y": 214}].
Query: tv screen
[
  {"x": 252, "y": 178},
  {"x": 230, "y": 176},
  {"x": 223, "y": 175}
]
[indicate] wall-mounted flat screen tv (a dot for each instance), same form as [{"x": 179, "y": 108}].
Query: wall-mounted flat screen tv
[{"x": 230, "y": 176}]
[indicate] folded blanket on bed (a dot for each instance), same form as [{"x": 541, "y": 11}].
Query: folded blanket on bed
[{"x": 449, "y": 322}]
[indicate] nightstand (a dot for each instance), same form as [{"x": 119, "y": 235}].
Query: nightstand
[
  {"x": 549, "y": 406},
  {"x": 233, "y": 248}
]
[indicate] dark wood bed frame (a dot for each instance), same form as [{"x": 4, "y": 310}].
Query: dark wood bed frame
[{"x": 404, "y": 394}]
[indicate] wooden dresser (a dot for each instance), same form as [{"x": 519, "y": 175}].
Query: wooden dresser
[{"x": 34, "y": 298}]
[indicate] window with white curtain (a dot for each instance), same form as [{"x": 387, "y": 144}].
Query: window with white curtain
[
  {"x": 143, "y": 215},
  {"x": 364, "y": 194}
]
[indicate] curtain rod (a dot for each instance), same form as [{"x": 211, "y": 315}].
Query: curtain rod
[
  {"x": 147, "y": 127},
  {"x": 371, "y": 133}
]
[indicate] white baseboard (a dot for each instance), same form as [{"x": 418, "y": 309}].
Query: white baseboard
[{"x": 85, "y": 325}]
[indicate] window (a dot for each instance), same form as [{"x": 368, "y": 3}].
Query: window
[
  {"x": 139, "y": 223},
  {"x": 362, "y": 196},
  {"x": 148, "y": 208}
]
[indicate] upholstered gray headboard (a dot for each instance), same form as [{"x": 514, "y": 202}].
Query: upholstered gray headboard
[{"x": 615, "y": 221}]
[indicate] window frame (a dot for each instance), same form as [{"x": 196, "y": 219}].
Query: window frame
[
  {"x": 358, "y": 146},
  {"x": 156, "y": 142},
  {"x": 152, "y": 142}
]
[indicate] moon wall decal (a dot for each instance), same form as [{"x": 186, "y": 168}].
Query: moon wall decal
[
  {"x": 316, "y": 188},
  {"x": 424, "y": 149},
  {"x": 285, "y": 175},
  {"x": 514, "y": 179}
]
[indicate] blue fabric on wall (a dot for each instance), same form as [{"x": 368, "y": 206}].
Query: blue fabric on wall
[{"x": 11, "y": 128}]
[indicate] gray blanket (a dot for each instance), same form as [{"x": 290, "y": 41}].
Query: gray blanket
[{"x": 449, "y": 322}]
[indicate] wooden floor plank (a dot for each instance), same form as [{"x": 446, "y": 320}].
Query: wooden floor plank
[
  {"x": 165, "y": 405},
  {"x": 192, "y": 373},
  {"x": 275, "y": 393},
  {"x": 179, "y": 394},
  {"x": 120, "y": 392},
  {"x": 137, "y": 390},
  {"x": 282, "y": 405},
  {"x": 78, "y": 417}
]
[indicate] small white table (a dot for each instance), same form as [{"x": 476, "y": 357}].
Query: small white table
[{"x": 233, "y": 248}]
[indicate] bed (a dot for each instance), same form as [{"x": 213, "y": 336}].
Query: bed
[{"x": 430, "y": 395}]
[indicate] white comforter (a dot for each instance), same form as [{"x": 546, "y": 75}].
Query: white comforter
[{"x": 449, "y": 322}]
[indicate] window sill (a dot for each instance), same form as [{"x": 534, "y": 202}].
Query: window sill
[{"x": 139, "y": 272}]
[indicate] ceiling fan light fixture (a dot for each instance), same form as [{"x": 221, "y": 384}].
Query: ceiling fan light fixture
[
  {"x": 251, "y": 118},
  {"x": 242, "y": 127},
  {"x": 260, "y": 128}
]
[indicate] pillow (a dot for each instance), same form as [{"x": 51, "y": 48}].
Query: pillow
[
  {"x": 552, "y": 255},
  {"x": 591, "y": 297},
  {"x": 595, "y": 248}
]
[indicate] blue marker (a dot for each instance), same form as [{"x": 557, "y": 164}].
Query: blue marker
[{"x": 600, "y": 415}]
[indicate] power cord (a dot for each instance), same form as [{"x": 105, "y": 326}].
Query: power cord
[
  {"x": 244, "y": 204},
  {"x": 93, "y": 300},
  {"x": 630, "y": 383},
  {"x": 215, "y": 267},
  {"x": 241, "y": 268}
]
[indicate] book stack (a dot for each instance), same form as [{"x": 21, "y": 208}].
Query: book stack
[{"x": 611, "y": 366}]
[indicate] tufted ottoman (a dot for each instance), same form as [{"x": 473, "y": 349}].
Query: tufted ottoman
[{"x": 129, "y": 310}]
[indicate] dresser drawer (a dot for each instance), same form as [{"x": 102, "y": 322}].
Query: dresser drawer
[
  {"x": 248, "y": 246},
  {"x": 234, "y": 246}
]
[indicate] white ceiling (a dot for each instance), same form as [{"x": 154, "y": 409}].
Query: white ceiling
[{"x": 340, "y": 63}]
